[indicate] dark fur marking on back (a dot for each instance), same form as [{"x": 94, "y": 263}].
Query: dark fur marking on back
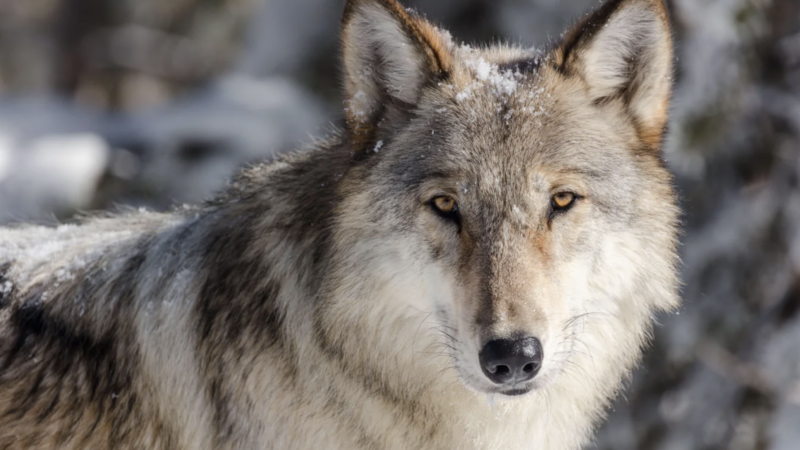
[
  {"x": 61, "y": 348},
  {"x": 6, "y": 290},
  {"x": 236, "y": 307},
  {"x": 56, "y": 367}
]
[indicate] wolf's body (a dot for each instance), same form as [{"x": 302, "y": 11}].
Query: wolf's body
[{"x": 322, "y": 302}]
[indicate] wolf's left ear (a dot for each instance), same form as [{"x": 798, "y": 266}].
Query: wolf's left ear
[
  {"x": 624, "y": 50},
  {"x": 389, "y": 54}
]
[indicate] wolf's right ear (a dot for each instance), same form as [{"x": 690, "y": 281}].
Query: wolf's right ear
[
  {"x": 624, "y": 51},
  {"x": 389, "y": 54}
]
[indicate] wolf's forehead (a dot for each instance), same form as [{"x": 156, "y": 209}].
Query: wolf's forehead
[
  {"x": 504, "y": 129},
  {"x": 522, "y": 151},
  {"x": 497, "y": 93},
  {"x": 494, "y": 73},
  {"x": 501, "y": 111}
]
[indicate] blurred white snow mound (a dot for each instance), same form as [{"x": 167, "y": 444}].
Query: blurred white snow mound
[
  {"x": 53, "y": 155},
  {"x": 192, "y": 146},
  {"x": 48, "y": 174}
]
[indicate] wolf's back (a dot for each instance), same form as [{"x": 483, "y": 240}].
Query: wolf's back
[
  {"x": 32, "y": 254},
  {"x": 68, "y": 356}
]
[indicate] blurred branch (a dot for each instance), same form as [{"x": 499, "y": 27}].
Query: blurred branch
[
  {"x": 730, "y": 366},
  {"x": 76, "y": 20}
]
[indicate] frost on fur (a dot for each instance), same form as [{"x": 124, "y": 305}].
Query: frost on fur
[
  {"x": 624, "y": 51},
  {"x": 389, "y": 53}
]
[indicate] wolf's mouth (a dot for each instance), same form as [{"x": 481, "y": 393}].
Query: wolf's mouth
[{"x": 516, "y": 392}]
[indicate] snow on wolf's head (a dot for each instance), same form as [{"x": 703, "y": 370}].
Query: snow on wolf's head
[{"x": 508, "y": 204}]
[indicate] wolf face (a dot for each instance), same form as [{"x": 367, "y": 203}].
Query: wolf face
[{"x": 513, "y": 201}]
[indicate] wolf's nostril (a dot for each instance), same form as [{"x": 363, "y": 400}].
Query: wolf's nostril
[
  {"x": 511, "y": 361},
  {"x": 501, "y": 370}
]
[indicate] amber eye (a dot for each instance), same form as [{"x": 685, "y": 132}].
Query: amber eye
[
  {"x": 563, "y": 200},
  {"x": 445, "y": 204}
]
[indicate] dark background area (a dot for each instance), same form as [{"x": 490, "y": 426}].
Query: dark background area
[{"x": 156, "y": 102}]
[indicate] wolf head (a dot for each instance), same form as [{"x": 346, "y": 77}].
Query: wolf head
[{"x": 509, "y": 204}]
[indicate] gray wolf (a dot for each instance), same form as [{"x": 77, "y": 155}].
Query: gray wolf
[{"x": 474, "y": 262}]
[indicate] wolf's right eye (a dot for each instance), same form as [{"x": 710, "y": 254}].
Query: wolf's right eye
[{"x": 446, "y": 207}]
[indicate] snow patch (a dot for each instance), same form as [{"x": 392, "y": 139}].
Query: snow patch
[
  {"x": 6, "y": 150},
  {"x": 55, "y": 172},
  {"x": 359, "y": 106},
  {"x": 502, "y": 82}
]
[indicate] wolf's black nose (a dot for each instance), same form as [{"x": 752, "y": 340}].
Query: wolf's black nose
[{"x": 511, "y": 361}]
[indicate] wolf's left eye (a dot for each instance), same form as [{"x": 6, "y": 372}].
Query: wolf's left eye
[{"x": 563, "y": 200}]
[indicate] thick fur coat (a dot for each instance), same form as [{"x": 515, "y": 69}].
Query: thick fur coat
[{"x": 340, "y": 297}]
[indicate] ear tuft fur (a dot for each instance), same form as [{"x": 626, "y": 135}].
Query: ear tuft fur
[
  {"x": 624, "y": 50},
  {"x": 389, "y": 54}
]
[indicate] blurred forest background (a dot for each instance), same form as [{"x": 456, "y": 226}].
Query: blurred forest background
[{"x": 155, "y": 102}]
